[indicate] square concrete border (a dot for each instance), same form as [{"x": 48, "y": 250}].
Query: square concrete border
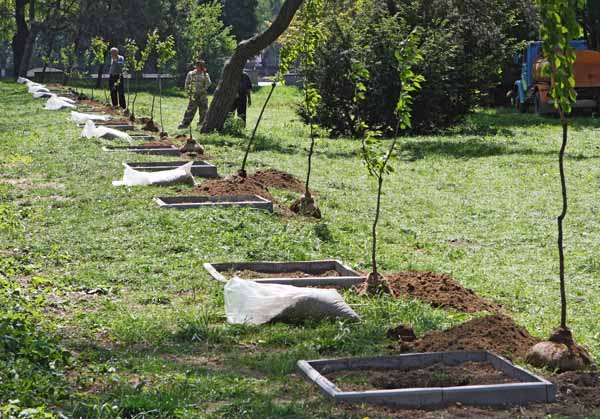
[
  {"x": 159, "y": 151},
  {"x": 187, "y": 202},
  {"x": 200, "y": 168},
  {"x": 348, "y": 277},
  {"x": 528, "y": 388}
]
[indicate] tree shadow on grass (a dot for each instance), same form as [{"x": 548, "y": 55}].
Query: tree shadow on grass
[{"x": 473, "y": 148}]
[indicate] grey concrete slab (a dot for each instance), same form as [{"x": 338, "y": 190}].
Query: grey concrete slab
[
  {"x": 159, "y": 151},
  {"x": 188, "y": 202},
  {"x": 347, "y": 277},
  {"x": 200, "y": 168},
  {"x": 405, "y": 398},
  {"x": 527, "y": 387}
]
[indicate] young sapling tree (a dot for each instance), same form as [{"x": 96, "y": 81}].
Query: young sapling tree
[
  {"x": 98, "y": 48},
  {"x": 559, "y": 28},
  {"x": 131, "y": 63},
  {"x": 377, "y": 153},
  {"x": 303, "y": 47},
  {"x": 165, "y": 52},
  {"x": 151, "y": 42}
]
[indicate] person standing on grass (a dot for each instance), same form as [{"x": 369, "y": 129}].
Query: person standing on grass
[
  {"x": 197, "y": 83},
  {"x": 244, "y": 97},
  {"x": 116, "y": 84}
]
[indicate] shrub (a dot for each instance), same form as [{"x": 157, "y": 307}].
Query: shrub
[{"x": 464, "y": 55}]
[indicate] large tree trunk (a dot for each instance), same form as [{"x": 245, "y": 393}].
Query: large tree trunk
[
  {"x": 227, "y": 88},
  {"x": 21, "y": 34}
]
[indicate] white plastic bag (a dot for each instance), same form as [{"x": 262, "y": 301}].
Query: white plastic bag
[
  {"x": 42, "y": 93},
  {"x": 132, "y": 177},
  {"x": 90, "y": 130},
  {"x": 36, "y": 87},
  {"x": 254, "y": 303},
  {"x": 23, "y": 80},
  {"x": 82, "y": 118},
  {"x": 55, "y": 103}
]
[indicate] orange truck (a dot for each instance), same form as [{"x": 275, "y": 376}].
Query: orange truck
[{"x": 532, "y": 90}]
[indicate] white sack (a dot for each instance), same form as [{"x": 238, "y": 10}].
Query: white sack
[
  {"x": 82, "y": 118},
  {"x": 56, "y": 103},
  {"x": 255, "y": 303},
  {"x": 23, "y": 80},
  {"x": 42, "y": 93},
  {"x": 35, "y": 87},
  {"x": 132, "y": 177},
  {"x": 90, "y": 130}
]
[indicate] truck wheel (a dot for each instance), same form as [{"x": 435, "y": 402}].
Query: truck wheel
[{"x": 521, "y": 107}]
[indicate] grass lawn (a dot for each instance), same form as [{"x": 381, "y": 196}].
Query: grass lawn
[{"x": 125, "y": 289}]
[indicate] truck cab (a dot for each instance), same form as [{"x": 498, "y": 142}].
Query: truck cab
[{"x": 532, "y": 90}]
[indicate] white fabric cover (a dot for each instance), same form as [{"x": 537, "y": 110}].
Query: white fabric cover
[
  {"x": 132, "y": 177},
  {"x": 42, "y": 93},
  {"x": 82, "y": 118},
  {"x": 90, "y": 130},
  {"x": 55, "y": 103},
  {"x": 254, "y": 303},
  {"x": 23, "y": 80},
  {"x": 36, "y": 87}
]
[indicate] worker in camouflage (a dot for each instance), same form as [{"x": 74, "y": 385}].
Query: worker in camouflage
[{"x": 196, "y": 84}]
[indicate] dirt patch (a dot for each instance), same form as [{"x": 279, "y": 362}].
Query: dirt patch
[
  {"x": 439, "y": 291},
  {"x": 248, "y": 274},
  {"x": 579, "y": 388},
  {"x": 234, "y": 185},
  {"x": 100, "y": 107},
  {"x": 149, "y": 125},
  {"x": 277, "y": 179},
  {"x": 496, "y": 333},
  {"x": 436, "y": 375},
  {"x": 577, "y": 395}
]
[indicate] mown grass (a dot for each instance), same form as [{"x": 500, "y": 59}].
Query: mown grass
[{"x": 130, "y": 299}]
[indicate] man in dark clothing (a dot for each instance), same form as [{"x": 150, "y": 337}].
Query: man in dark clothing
[
  {"x": 116, "y": 84},
  {"x": 244, "y": 98}
]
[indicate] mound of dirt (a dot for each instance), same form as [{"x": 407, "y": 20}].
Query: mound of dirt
[
  {"x": 100, "y": 107},
  {"x": 233, "y": 185},
  {"x": 579, "y": 388},
  {"x": 497, "y": 333},
  {"x": 274, "y": 178},
  {"x": 439, "y": 291}
]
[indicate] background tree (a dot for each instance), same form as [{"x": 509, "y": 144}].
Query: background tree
[
  {"x": 232, "y": 72},
  {"x": 559, "y": 28},
  {"x": 241, "y": 16},
  {"x": 376, "y": 152},
  {"x": 207, "y": 37}
]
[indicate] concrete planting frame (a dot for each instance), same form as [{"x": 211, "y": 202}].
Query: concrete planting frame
[
  {"x": 187, "y": 202},
  {"x": 140, "y": 149},
  {"x": 200, "y": 168},
  {"x": 347, "y": 278},
  {"x": 528, "y": 387}
]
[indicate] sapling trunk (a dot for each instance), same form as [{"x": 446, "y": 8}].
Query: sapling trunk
[
  {"x": 152, "y": 108},
  {"x": 374, "y": 228},
  {"x": 262, "y": 111},
  {"x": 310, "y": 154},
  {"x": 561, "y": 217},
  {"x": 162, "y": 126}
]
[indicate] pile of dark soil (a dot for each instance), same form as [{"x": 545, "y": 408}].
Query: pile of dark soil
[
  {"x": 100, "y": 107},
  {"x": 579, "y": 388},
  {"x": 496, "y": 333},
  {"x": 436, "y": 375},
  {"x": 277, "y": 179},
  {"x": 233, "y": 185},
  {"x": 149, "y": 125},
  {"x": 439, "y": 291}
]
